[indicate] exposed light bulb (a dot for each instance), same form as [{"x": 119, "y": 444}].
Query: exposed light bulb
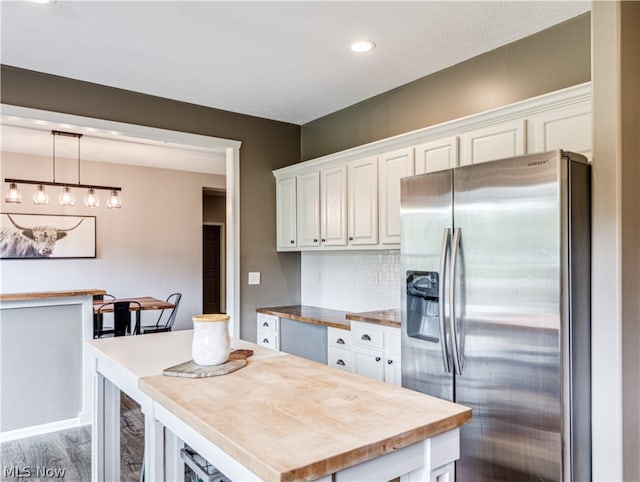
[
  {"x": 114, "y": 201},
  {"x": 13, "y": 194},
  {"x": 66, "y": 197},
  {"x": 40, "y": 196},
  {"x": 91, "y": 200}
]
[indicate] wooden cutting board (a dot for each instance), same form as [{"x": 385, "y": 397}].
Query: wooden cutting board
[{"x": 189, "y": 369}]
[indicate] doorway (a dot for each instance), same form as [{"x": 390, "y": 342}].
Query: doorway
[{"x": 212, "y": 269}]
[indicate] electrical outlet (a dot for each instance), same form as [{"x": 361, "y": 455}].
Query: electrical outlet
[{"x": 254, "y": 277}]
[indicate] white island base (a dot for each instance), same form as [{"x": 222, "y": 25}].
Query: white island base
[{"x": 279, "y": 418}]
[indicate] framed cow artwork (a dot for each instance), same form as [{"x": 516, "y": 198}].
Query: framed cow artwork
[{"x": 47, "y": 236}]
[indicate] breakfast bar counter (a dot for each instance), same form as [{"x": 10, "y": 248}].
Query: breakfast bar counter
[{"x": 279, "y": 418}]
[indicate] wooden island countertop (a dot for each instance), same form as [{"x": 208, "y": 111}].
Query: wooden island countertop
[
  {"x": 49, "y": 294},
  {"x": 281, "y": 417},
  {"x": 288, "y": 418}
]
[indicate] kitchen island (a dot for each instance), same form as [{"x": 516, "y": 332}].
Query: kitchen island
[{"x": 279, "y": 418}]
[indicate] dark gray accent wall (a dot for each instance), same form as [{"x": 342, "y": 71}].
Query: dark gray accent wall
[
  {"x": 266, "y": 145},
  {"x": 550, "y": 60}
]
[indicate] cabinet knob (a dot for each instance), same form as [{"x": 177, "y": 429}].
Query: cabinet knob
[
  {"x": 292, "y": 242},
  {"x": 350, "y": 238},
  {"x": 365, "y": 337},
  {"x": 340, "y": 341},
  {"x": 389, "y": 362},
  {"x": 315, "y": 240},
  {"x": 340, "y": 362},
  {"x": 378, "y": 358},
  {"x": 324, "y": 240}
]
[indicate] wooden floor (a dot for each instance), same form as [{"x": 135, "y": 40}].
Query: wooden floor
[{"x": 48, "y": 457}]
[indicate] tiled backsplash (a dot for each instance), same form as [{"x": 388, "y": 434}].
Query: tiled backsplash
[{"x": 351, "y": 280}]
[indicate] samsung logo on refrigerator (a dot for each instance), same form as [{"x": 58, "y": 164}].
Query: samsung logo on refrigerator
[{"x": 537, "y": 163}]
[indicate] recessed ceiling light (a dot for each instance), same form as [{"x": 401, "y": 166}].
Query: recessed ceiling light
[{"x": 362, "y": 46}]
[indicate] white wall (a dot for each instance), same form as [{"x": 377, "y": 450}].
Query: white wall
[
  {"x": 351, "y": 280},
  {"x": 151, "y": 247}
]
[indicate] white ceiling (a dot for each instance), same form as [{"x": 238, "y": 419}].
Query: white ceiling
[{"x": 287, "y": 61}]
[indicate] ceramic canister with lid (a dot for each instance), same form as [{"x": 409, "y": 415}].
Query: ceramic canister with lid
[{"x": 211, "y": 344}]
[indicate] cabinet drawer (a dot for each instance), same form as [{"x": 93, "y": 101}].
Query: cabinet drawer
[
  {"x": 364, "y": 335},
  {"x": 392, "y": 340},
  {"x": 342, "y": 359},
  {"x": 268, "y": 339},
  {"x": 268, "y": 323},
  {"x": 338, "y": 338}
]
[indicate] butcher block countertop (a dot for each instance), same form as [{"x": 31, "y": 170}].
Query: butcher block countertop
[
  {"x": 49, "y": 294},
  {"x": 334, "y": 318},
  {"x": 288, "y": 418},
  {"x": 310, "y": 314},
  {"x": 382, "y": 317}
]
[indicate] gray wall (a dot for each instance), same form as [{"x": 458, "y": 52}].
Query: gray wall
[
  {"x": 266, "y": 145},
  {"x": 550, "y": 60}
]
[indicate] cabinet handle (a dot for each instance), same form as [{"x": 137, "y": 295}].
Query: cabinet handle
[
  {"x": 324, "y": 240},
  {"x": 340, "y": 362},
  {"x": 340, "y": 341},
  {"x": 389, "y": 362},
  {"x": 315, "y": 240},
  {"x": 265, "y": 324},
  {"x": 378, "y": 358},
  {"x": 266, "y": 340},
  {"x": 350, "y": 238},
  {"x": 365, "y": 337},
  {"x": 292, "y": 242}
]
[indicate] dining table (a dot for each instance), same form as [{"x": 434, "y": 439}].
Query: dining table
[{"x": 138, "y": 303}]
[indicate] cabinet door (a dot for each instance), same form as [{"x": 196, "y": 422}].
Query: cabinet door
[
  {"x": 363, "y": 201},
  {"x": 499, "y": 141},
  {"x": 308, "y": 209},
  {"x": 392, "y": 166},
  {"x": 369, "y": 364},
  {"x": 393, "y": 370},
  {"x": 333, "y": 207},
  {"x": 568, "y": 128},
  {"x": 436, "y": 155},
  {"x": 286, "y": 213}
]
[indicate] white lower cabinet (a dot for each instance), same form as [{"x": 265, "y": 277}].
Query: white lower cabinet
[
  {"x": 376, "y": 351},
  {"x": 268, "y": 330},
  {"x": 339, "y": 354}
]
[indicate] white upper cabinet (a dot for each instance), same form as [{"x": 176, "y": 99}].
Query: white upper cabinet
[
  {"x": 392, "y": 166},
  {"x": 286, "y": 213},
  {"x": 498, "y": 141},
  {"x": 363, "y": 201},
  {"x": 333, "y": 206},
  {"x": 351, "y": 199},
  {"x": 308, "y": 209},
  {"x": 567, "y": 128},
  {"x": 436, "y": 155}
]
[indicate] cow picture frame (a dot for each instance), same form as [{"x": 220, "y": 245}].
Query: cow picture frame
[{"x": 47, "y": 236}]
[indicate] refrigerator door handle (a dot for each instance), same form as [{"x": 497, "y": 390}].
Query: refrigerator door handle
[
  {"x": 452, "y": 301},
  {"x": 441, "y": 290}
]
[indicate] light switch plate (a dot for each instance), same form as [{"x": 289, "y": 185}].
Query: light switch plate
[{"x": 254, "y": 277}]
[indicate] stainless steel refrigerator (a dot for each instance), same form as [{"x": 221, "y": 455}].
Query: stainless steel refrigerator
[{"x": 496, "y": 310}]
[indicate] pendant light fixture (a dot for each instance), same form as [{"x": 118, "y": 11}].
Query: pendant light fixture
[
  {"x": 40, "y": 197},
  {"x": 13, "y": 194},
  {"x": 66, "y": 197}
]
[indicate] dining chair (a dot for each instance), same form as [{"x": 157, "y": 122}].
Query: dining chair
[
  {"x": 98, "y": 318},
  {"x": 165, "y": 323},
  {"x": 121, "y": 318}
]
